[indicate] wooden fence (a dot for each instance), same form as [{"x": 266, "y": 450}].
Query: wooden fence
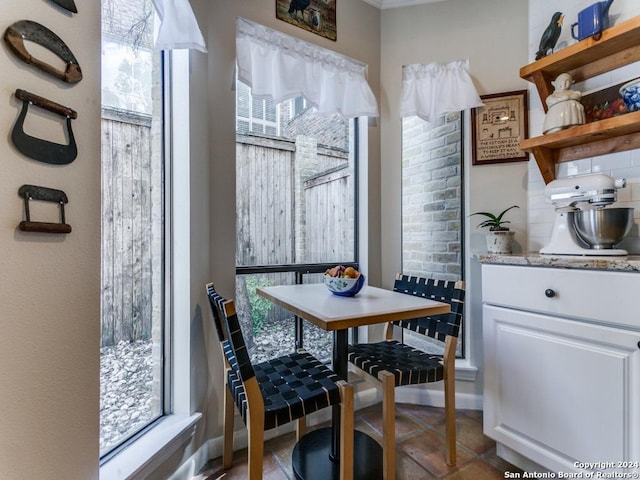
[
  {"x": 295, "y": 200},
  {"x": 329, "y": 213},
  {"x": 131, "y": 228},
  {"x": 295, "y": 204},
  {"x": 264, "y": 201}
]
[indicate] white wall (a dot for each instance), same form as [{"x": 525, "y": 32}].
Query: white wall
[
  {"x": 623, "y": 164},
  {"x": 492, "y": 35},
  {"x": 50, "y": 284}
]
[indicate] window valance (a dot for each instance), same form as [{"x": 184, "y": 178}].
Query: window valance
[
  {"x": 178, "y": 26},
  {"x": 279, "y": 67},
  {"x": 430, "y": 90}
]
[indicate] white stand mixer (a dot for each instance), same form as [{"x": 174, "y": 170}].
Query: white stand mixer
[{"x": 597, "y": 190}]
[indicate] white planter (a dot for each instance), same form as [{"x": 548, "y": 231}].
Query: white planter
[{"x": 500, "y": 241}]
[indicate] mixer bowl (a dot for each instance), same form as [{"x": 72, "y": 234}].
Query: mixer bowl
[{"x": 603, "y": 228}]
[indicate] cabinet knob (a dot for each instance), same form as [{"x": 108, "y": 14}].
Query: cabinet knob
[{"x": 550, "y": 293}]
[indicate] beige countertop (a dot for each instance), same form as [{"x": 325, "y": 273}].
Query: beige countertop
[{"x": 630, "y": 263}]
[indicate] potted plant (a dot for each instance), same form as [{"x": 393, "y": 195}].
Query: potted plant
[{"x": 499, "y": 238}]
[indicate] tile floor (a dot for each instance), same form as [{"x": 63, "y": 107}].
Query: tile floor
[{"x": 419, "y": 450}]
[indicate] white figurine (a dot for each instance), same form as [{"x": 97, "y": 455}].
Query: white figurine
[{"x": 565, "y": 109}]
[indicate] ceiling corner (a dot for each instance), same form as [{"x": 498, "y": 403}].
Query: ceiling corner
[
  {"x": 375, "y": 3},
  {"x": 386, "y": 4}
]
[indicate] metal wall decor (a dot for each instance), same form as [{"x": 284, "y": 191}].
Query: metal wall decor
[
  {"x": 17, "y": 33},
  {"x": 37, "y": 148},
  {"x": 33, "y": 192},
  {"x": 67, "y": 5}
]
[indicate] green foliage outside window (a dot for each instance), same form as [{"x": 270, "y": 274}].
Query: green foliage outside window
[{"x": 260, "y": 306}]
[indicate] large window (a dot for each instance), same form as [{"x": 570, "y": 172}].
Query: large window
[
  {"x": 133, "y": 241},
  {"x": 432, "y": 204},
  {"x": 296, "y": 212}
]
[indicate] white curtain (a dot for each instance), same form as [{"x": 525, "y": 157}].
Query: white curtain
[
  {"x": 279, "y": 67},
  {"x": 178, "y": 26},
  {"x": 430, "y": 90}
]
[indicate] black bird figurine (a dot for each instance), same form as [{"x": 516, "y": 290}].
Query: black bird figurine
[{"x": 550, "y": 36}]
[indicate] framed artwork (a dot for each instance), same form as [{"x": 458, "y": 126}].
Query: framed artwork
[
  {"x": 498, "y": 127},
  {"x": 317, "y": 16}
]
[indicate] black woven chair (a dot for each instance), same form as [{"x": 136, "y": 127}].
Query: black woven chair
[
  {"x": 216, "y": 301},
  {"x": 393, "y": 363},
  {"x": 276, "y": 392}
]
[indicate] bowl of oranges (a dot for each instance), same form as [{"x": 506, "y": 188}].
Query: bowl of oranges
[{"x": 343, "y": 281}]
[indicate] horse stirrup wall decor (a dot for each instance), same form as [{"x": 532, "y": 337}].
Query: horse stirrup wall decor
[
  {"x": 33, "y": 192},
  {"x": 16, "y": 34},
  {"x": 37, "y": 148},
  {"x": 67, "y": 5}
]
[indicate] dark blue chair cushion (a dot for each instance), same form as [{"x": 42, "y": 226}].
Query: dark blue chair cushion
[
  {"x": 292, "y": 386},
  {"x": 410, "y": 366}
]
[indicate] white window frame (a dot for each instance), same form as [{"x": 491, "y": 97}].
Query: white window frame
[{"x": 168, "y": 434}]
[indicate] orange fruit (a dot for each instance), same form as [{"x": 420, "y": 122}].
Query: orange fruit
[{"x": 351, "y": 272}]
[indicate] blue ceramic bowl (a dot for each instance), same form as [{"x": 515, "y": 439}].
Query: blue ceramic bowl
[
  {"x": 344, "y": 287},
  {"x": 630, "y": 93}
]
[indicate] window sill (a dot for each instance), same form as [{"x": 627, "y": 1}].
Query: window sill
[
  {"x": 147, "y": 453},
  {"x": 465, "y": 371}
]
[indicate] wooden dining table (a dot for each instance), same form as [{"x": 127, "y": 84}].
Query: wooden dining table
[{"x": 315, "y": 456}]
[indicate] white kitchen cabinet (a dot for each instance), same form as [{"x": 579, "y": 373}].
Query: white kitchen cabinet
[{"x": 562, "y": 365}]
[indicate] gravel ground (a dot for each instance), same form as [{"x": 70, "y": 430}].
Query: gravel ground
[
  {"x": 126, "y": 376},
  {"x": 278, "y": 339},
  {"x": 126, "y": 385}
]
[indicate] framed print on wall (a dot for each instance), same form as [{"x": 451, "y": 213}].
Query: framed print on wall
[
  {"x": 498, "y": 127},
  {"x": 317, "y": 16}
]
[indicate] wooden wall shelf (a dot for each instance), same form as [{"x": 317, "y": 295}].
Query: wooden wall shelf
[
  {"x": 615, "y": 134},
  {"x": 618, "y": 46}
]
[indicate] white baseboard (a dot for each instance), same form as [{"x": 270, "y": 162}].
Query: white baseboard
[
  {"x": 520, "y": 461},
  {"x": 435, "y": 398}
]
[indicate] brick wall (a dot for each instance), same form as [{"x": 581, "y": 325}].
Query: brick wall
[
  {"x": 432, "y": 197},
  {"x": 331, "y": 130}
]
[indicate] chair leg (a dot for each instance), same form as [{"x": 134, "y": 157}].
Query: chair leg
[
  {"x": 227, "y": 438},
  {"x": 450, "y": 419},
  {"x": 346, "y": 430},
  {"x": 301, "y": 428},
  {"x": 388, "y": 425},
  {"x": 256, "y": 447}
]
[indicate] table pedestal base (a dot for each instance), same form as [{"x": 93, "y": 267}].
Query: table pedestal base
[{"x": 310, "y": 458}]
